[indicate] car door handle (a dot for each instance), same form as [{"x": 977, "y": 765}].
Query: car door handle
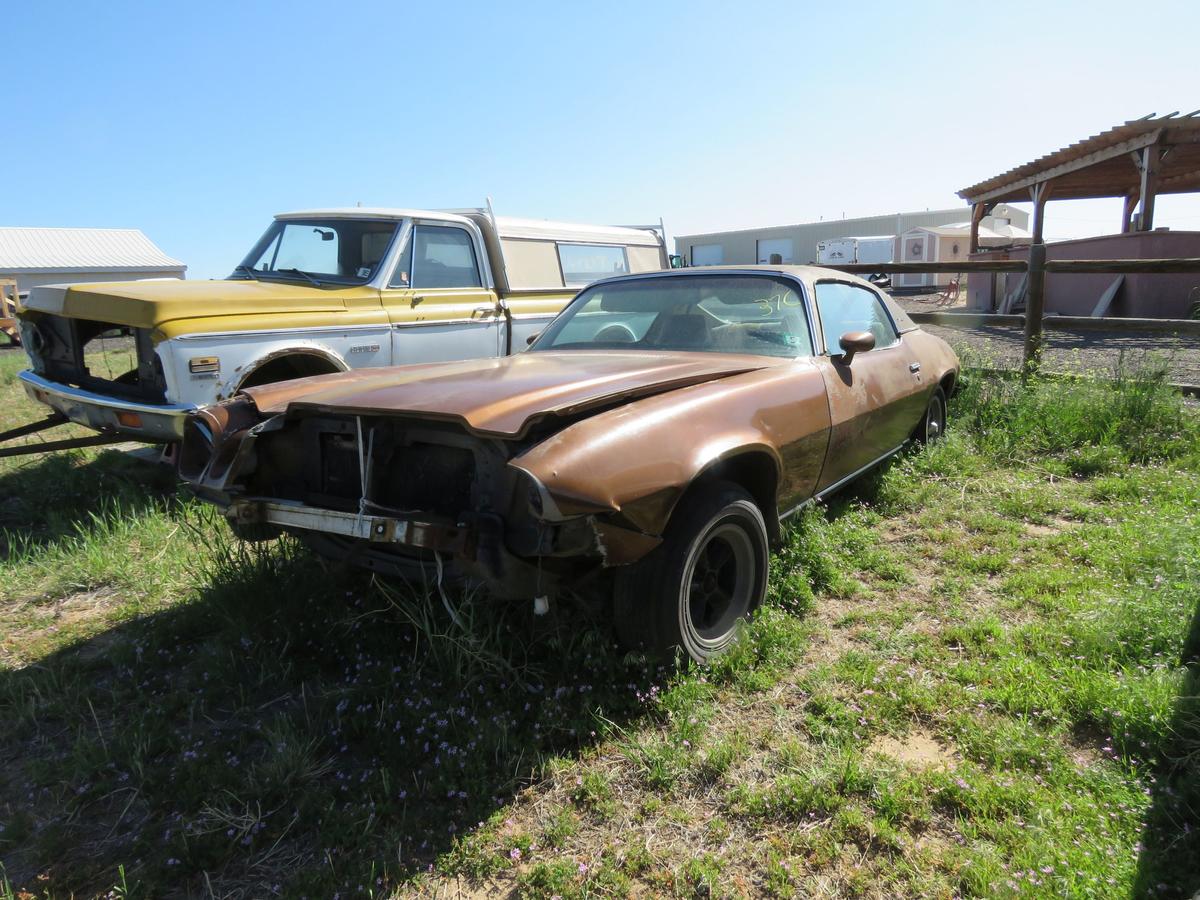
[{"x": 914, "y": 367}]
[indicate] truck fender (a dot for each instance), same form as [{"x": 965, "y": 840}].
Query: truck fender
[{"x": 313, "y": 352}]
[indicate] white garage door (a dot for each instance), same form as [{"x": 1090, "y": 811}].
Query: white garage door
[
  {"x": 775, "y": 252},
  {"x": 707, "y": 254}
]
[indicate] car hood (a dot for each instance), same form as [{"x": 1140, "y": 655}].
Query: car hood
[
  {"x": 148, "y": 304},
  {"x": 503, "y": 397}
]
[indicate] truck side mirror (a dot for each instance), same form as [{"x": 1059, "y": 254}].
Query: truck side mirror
[{"x": 855, "y": 342}]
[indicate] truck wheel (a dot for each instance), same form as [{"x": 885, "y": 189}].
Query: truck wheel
[{"x": 698, "y": 588}]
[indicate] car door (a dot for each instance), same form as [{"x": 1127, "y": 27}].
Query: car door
[
  {"x": 437, "y": 301},
  {"x": 876, "y": 399}
]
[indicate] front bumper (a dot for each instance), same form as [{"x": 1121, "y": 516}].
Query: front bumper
[{"x": 158, "y": 422}]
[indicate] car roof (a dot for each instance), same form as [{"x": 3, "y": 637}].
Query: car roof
[
  {"x": 803, "y": 273},
  {"x": 807, "y": 275}
]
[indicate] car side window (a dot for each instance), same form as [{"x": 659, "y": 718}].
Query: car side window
[
  {"x": 848, "y": 307},
  {"x": 443, "y": 257}
]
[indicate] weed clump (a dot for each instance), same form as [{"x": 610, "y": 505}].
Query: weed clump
[{"x": 1094, "y": 424}]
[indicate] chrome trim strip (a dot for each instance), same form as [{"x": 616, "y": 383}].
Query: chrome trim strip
[
  {"x": 842, "y": 482},
  {"x": 482, "y": 320},
  {"x": 821, "y": 495},
  {"x": 382, "y": 327}
]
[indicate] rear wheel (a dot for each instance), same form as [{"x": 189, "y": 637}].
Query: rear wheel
[
  {"x": 699, "y": 587},
  {"x": 933, "y": 425}
]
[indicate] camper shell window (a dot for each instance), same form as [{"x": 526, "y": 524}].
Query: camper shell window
[{"x": 584, "y": 263}]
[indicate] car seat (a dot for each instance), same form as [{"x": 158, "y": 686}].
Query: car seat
[{"x": 680, "y": 331}]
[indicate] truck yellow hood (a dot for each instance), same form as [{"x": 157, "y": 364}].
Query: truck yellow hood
[{"x": 149, "y": 304}]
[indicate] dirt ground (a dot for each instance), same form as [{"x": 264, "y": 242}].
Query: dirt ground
[{"x": 1080, "y": 351}]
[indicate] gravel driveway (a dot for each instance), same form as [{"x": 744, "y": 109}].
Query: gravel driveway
[{"x": 1067, "y": 351}]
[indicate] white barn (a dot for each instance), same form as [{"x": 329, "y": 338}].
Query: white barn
[{"x": 34, "y": 256}]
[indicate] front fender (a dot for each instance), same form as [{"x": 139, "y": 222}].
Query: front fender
[{"x": 635, "y": 462}]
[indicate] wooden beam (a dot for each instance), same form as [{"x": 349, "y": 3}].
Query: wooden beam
[
  {"x": 1012, "y": 189},
  {"x": 1125, "y": 266},
  {"x": 966, "y": 266}
]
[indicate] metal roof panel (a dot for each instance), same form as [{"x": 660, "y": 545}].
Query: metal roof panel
[{"x": 81, "y": 250}]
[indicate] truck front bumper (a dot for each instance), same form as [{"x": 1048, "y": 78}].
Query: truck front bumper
[{"x": 153, "y": 423}]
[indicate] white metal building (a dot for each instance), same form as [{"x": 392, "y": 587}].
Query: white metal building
[
  {"x": 34, "y": 256},
  {"x": 798, "y": 243}
]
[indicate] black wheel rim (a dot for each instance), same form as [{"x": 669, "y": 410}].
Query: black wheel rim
[
  {"x": 935, "y": 419},
  {"x": 720, "y": 583}
]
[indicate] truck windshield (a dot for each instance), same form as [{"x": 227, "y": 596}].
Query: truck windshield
[{"x": 337, "y": 251}]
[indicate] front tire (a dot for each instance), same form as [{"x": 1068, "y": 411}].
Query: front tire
[{"x": 697, "y": 589}]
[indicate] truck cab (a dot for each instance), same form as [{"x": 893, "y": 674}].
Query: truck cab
[{"x": 321, "y": 291}]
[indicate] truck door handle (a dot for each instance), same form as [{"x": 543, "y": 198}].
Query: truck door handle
[
  {"x": 481, "y": 312},
  {"x": 914, "y": 367}
]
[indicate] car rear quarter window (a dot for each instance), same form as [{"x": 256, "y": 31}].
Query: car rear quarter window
[{"x": 848, "y": 307}]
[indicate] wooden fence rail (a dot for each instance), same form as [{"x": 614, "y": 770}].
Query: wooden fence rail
[
  {"x": 1116, "y": 266},
  {"x": 1036, "y": 266}
]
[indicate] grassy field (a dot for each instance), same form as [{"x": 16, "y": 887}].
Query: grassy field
[{"x": 976, "y": 676}]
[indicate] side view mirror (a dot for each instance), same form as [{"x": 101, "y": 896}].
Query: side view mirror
[
  {"x": 855, "y": 342},
  {"x": 533, "y": 337}
]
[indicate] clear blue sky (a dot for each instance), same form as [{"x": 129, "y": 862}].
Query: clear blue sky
[{"x": 196, "y": 122}]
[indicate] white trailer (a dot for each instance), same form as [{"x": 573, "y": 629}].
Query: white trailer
[{"x": 845, "y": 251}]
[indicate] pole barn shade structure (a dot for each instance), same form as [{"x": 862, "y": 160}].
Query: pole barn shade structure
[{"x": 1136, "y": 161}]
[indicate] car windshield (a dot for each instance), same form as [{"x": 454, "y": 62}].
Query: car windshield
[
  {"x": 338, "y": 251},
  {"x": 753, "y": 314}
]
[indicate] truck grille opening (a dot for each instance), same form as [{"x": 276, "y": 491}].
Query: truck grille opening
[{"x": 103, "y": 357}]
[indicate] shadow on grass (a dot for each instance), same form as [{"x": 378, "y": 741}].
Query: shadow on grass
[
  {"x": 53, "y": 496},
  {"x": 1169, "y": 865},
  {"x": 293, "y": 728}
]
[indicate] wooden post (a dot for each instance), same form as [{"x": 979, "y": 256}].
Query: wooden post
[
  {"x": 1035, "y": 304},
  {"x": 976, "y": 218},
  {"x": 1040, "y": 193},
  {"x": 1131, "y": 202},
  {"x": 1149, "y": 187},
  {"x": 1035, "y": 290}
]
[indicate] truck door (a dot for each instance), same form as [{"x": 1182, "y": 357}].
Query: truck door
[
  {"x": 436, "y": 302},
  {"x": 876, "y": 401}
]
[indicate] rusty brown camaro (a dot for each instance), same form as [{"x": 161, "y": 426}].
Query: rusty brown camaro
[{"x": 647, "y": 445}]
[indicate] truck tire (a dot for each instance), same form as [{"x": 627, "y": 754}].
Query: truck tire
[{"x": 697, "y": 589}]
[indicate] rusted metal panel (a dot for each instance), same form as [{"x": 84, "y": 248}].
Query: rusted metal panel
[
  {"x": 502, "y": 396},
  {"x": 637, "y": 459}
]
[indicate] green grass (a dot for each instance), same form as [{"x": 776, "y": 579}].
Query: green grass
[{"x": 976, "y": 676}]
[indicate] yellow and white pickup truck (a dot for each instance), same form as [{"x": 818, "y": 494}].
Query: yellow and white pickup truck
[{"x": 322, "y": 291}]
